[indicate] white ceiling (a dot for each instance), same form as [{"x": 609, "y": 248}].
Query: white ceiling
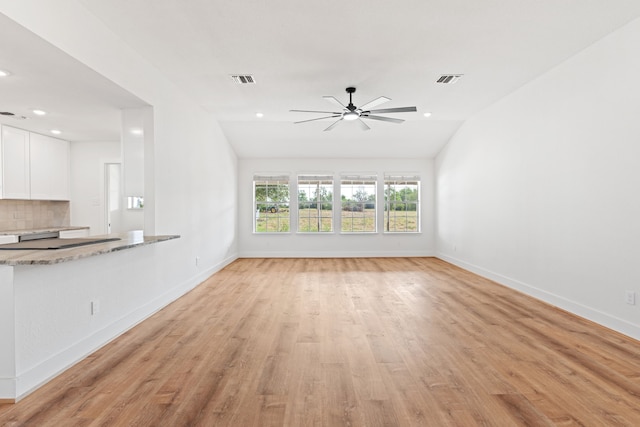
[
  {"x": 300, "y": 51},
  {"x": 79, "y": 102}
]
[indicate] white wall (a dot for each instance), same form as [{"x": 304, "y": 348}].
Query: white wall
[
  {"x": 190, "y": 189},
  {"x": 190, "y": 170},
  {"x": 54, "y": 326},
  {"x": 87, "y": 182},
  {"x": 541, "y": 191},
  {"x": 334, "y": 244}
]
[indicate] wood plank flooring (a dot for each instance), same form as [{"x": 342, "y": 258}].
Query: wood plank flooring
[{"x": 348, "y": 342}]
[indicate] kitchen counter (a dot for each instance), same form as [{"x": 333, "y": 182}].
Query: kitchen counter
[{"x": 127, "y": 240}]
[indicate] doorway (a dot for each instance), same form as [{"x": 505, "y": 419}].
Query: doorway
[{"x": 113, "y": 192}]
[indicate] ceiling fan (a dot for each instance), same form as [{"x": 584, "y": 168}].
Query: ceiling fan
[{"x": 352, "y": 113}]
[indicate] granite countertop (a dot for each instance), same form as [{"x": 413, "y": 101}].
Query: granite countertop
[
  {"x": 38, "y": 230},
  {"x": 127, "y": 240}
]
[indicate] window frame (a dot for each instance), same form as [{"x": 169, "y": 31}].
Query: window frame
[
  {"x": 280, "y": 204},
  {"x": 321, "y": 180},
  {"x": 401, "y": 179},
  {"x": 363, "y": 179}
]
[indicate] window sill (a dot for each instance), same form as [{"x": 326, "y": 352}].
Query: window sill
[
  {"x": 272, "y": 233},
  {"x": 311, "y": 233},
  {"x": 402, "y": 232},
  {"x": 366, "y": 233}
]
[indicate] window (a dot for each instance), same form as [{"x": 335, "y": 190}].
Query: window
[
  {"x": 401, "y": 203},
  {"x": 271, "y": 204},
  {"x": 135, "y": 202},
  {"x": 315, "y": 203},
  {"x": 358, "y": 193}
]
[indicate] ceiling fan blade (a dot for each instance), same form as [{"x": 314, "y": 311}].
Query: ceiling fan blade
[
  {"x": 334, "y": 101},
  {"x": 313, "y": 111},
  {"x": 363, "y": 125},
  {"x": 319, "y": 118},
  {"x": 394, "y": 110},
  {"x": 333, "y": 125},
  {"x": 375, "y": 102},
  {"x": 382, "y": 119}
]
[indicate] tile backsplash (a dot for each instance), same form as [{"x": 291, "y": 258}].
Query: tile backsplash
[{"x": 33, "y": 214}]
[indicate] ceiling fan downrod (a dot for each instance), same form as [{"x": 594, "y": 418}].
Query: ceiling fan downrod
[{"x": 351, "y": 91}]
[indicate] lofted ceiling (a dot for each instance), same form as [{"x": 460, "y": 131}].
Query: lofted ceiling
[{"x": 301, "y": 51}]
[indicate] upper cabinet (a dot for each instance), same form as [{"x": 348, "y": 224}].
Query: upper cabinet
[
  {"x": 49, "y": 168},
  {"x": 33, "y": 166},
  {"x": 16, "y": 176}
]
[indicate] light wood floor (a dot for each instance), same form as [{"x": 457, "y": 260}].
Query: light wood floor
[{"x": 349, "y": 342}]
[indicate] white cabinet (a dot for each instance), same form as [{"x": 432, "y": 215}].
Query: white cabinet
[
  {"x": 33, "y": 166},
  {"x": 15, "y": 164},
  {"x": 49, "y": 168}
]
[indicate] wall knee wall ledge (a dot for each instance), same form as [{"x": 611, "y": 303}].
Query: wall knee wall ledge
[{"x": 24, "y": 383}]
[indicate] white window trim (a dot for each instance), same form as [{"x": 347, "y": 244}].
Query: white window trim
[
  {"x": 317, "y": 177},
  {"x": 269, "y": 177},
  {"x": 402, "y": 177},
  {"x": 359, "y": 176}
]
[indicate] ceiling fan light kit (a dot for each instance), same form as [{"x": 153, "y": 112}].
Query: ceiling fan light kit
[{"x": 352, "y": 113}]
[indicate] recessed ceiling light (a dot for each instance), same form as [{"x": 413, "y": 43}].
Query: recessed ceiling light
[
  {"x": 5, "y": 73},
  {"x": 259, "y": 115},
  {"x": 56, "y": 131},
  {"x": 427, "y": 114},
  {"x": 39, "y": 112},
  {"x": 136, "y": 131}
]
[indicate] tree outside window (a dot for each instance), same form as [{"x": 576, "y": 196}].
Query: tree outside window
[
  {"x": 402, "y": 204},
  {"x": 315, "y": 203},
  {"x": 358, "y": 197}
]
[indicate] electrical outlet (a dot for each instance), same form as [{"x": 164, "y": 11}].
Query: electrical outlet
[
  {"x": 197, "y": 260},
  {"x": 95, "y": 307},
  {"x": 630, "y": 297}
]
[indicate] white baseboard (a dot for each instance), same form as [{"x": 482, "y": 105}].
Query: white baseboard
[
  {"x": 30, "y": 380},
  {"x": 208, "y": 272},
  {"x": 605, "y": 319},
  {"x": 7, "y": 388},
  {"x": 334, "y": 254}
]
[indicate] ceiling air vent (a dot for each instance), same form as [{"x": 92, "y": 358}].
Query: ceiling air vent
[
  {"x": 244, "y": 79},
  {"x": 449, "y": 78}
]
